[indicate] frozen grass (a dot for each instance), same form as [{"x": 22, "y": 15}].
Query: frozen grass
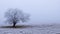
[
  {"x": 17, "y": 26},
  {"x": 28, "y": 29}
]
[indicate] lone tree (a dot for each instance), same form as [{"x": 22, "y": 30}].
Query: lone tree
[{"x": 15, "y": 15}]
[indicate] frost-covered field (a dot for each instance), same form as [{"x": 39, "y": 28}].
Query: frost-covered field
[{"x": 37, "y": 29}]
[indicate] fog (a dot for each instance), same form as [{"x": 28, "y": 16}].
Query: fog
[{"x": 41, "y": 11}]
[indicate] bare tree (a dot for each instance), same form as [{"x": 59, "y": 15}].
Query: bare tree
[{"x": 15, "y": 15}]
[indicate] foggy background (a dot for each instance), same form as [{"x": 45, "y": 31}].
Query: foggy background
[{"x": 41, "y": 11}]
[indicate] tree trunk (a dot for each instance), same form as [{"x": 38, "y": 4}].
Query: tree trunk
[{"x": 14, "y": 24}]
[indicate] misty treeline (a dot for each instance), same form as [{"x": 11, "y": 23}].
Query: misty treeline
[{"x": 14, "y": 16}]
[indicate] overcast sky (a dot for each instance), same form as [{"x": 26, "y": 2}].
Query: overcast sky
[{"x": 41, "y": 11}]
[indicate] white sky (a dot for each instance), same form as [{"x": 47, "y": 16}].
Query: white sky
[{"x": 42, "y": 11}]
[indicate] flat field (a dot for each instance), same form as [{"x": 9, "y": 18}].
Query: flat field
[{"x": 29, "y": 29}]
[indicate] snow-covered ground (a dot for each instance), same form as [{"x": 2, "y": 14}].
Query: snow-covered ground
[{"x": 36, "y": 29}]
